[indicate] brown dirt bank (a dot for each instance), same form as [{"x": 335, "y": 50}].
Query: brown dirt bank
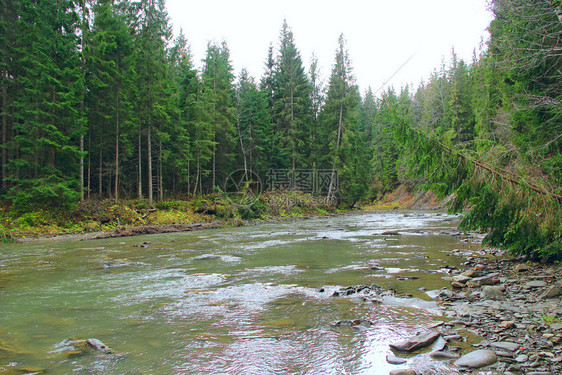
[{"x": 412, "y": 199}]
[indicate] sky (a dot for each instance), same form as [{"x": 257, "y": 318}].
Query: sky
[{"x": 390, "y": 43}]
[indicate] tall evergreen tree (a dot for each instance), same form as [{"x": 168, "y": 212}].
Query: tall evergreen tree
[
  {"x": 252, "y": 124},
  {"x": 112, "y": 61},
  {"x": 153, "y": 34},
  {"x": 218, "y": 98},
  {"x": 291, "y": 112},
  {"x": 341, "y": 124},
  {"x": 46, "y": 127}
]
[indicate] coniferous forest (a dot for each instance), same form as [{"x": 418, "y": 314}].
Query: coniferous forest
[{"x": 101, "y": 101}]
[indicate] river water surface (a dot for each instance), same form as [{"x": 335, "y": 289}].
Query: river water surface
[{"x": 225, "y": 301}]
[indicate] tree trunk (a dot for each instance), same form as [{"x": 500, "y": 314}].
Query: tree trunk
[
  {"x": 160, "y": 174},
  {"x": 100, "y": 173},
  {"x": 149, "y": 161},
  {"x": 139, "y": 186},
  {"x": 331, "y": 189},
  {"x": 89, "y": 163},
  {"x": 4, "y": 130},
  {"x": 116, "y": 194},
  {"x": 197, "y": 176}
]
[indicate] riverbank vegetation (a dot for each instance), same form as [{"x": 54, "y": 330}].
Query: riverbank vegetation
[
  {"x": 101, "y": 216},
  {"x": 104, "y": 113}
]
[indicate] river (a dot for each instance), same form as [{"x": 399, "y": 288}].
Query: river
[{"x": 226, "y": 301}]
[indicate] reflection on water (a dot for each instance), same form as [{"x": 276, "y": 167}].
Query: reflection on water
[{"x": 234, "y": 301}]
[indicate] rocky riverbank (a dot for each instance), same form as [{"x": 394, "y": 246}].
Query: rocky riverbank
[
  {"x": 514, "y": 306},
  {"x": 504, "y": 316}
]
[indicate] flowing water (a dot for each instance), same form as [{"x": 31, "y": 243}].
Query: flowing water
[{"x": 225, "y": 301}]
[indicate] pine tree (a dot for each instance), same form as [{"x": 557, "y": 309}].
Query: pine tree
[
  {"x": 291, "y": 112},
  {"x": 252, "y": 124},
  {"x": 47, "y": 125},
  {"x": 111, "y": 58},
  {"x": 316, "y": 102},
  {"x": 218, "y": 97},
  {"x": 340, "y": 119},
  {"x": 153, "y": 34},
  {"x": 8, "y": 72}
]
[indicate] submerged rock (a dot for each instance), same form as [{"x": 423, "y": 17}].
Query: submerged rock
[
  {"x": 98, "y": 345},
  {"x": 353, "y": 323},
  {"x": 477, "y": 359},
  {"x": 419, "y": 341}
]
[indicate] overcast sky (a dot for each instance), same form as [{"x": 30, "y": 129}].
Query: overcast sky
[{"x": 381, "y": 35}]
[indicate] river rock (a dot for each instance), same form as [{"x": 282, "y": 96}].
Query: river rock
[
  {"x": 439, "y": 354},
  {"x": 393, "y": 360},
  {"x": 492, "y": 292},
  {"x": 505, "y": 345},
  {"x": 522, "y": 268},
  {"x": 461, "y": 279},
  {"x": 471, "y": 273},
  {"x": 477, "y": 359},
  {"x": 419, "y": 341},
  {"x": 98, "y": 345},
  {"x": 439, "y": 344},
  {"x": 552, "y": 292},
  {"x": 490, "y": 279},
  {"x": 507, "y": 324},
  {"x": 402, "y": 372},
  {"x": 534, "y": 284}
]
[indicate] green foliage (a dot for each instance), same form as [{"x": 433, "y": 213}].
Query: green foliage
[
  {"x": 255, "y": 211},
  {"x": 5, "y": 235}
]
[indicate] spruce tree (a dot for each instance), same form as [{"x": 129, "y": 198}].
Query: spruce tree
[
  {"x": 47, "y": 127},
  {"x": 340, "y": 119},
  {"x": 152, "y": 36},
  {"x": 218, "y": 95},
  {"x": 291, "y": 109}
]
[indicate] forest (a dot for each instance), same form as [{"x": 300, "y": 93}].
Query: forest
[{"x": 101, "y": 102}]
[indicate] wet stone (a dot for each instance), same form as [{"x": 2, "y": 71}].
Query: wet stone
[
  {"x": 477, "y": 359},
  {"x": 443, "y": 355},
  {"x": 393, "y": 360},
  {"x": 419, "y": 341}
]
